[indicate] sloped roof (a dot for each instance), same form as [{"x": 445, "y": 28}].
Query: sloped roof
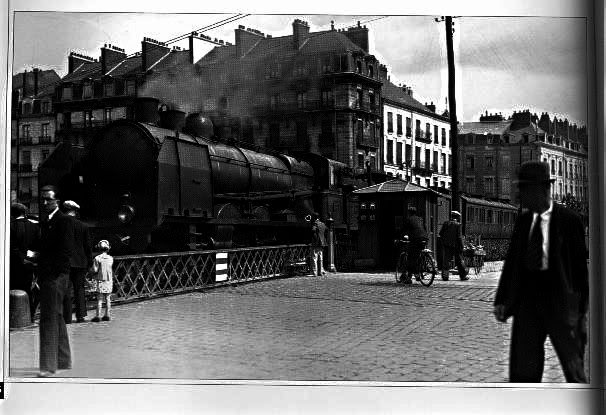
[
  {"x": 488, "y": 127},
  {"x": 488, "y": 202},
  {"x": 45, "y": 78},
  {"x": 395, "y": 93},
  {"x": 315, "y": 43},
  {"x": 393, "y": 186}
]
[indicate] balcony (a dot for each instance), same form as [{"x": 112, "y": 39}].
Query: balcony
[
  {"x": 422, "y": 168},
  {"x": 423, "y": 137}
]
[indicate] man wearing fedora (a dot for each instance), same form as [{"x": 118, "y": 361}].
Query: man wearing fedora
[
  {"x": 544, "y": 285},
  {"x": 80, "y": 262}
]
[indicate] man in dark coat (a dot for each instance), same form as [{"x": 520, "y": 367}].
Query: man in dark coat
[
  {"x": 318, "y": 243},
  {"x": 414, "y": 228},
  {"x": 56, "y": 249},
  {"x": 81, "y": 261},
  {"x": 451, "y": 237},
  {"x": 24, "y": 240},
  {"x": 544, "y": 284}
]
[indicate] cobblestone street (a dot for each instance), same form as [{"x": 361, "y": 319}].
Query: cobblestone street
[{"x": 344, "y": 327}]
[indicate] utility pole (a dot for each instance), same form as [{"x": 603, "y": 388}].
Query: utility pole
[{"x": 452, "y": 112}]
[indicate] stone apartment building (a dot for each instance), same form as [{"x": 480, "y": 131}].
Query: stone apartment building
[
  {"x": 492, "y": 149},
  {"x": 97, "y": 91},
  {"x": 32, "y": 131},
  {"x": 416, "y": 139},
  {"x": 316, "y": 92}
]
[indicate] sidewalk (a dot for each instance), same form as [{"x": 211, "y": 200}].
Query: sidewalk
[{"x": 343, "y": 327}]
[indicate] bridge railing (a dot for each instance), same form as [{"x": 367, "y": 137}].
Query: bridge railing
[{"x": 151, "y": 275}]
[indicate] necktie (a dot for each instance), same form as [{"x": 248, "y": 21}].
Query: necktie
[{"x": 534, "y": 253}]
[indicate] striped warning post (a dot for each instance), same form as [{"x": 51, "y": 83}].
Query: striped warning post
[{"x": 221, "y": 266}]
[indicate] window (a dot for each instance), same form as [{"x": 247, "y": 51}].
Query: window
[
  {"x": 27, "y": 108},
  {"x": 553, "y": 167},
  {"x": 427, "y": 131},
  {"x": 44, "y": 130},
  {"x": 390, "y": 122},
  {"x": 436, "y": 139},
  {"x": 489, "y": 216},
  {"x": 389, "y": 152},
  {"x": 326, "y": 97},
  {"x": 443, "y": 136},
  {"x": 371, "y": 97},
  {"x": 489, "y": 185},
  {"x": 25, "y": 131},
  {"x": 130, "y": 87},
  {"x": 434, "y": 167},
  {"x": 301, "y": 100},
  {"x": 399, "y": 124},
  {"x": 360, "y": 101},
  {"x": 108, "y": 88},
  {"x": 360, "y": 160},
  {"x": 469, "y": 162},
  {"x": 67, "y": 93},
  {"x": 45, "y": 107},
  {"x": 489, "y": 161},
  {"x": 482, "y": 218},
  {"x": 559, "y": 168},
  {"x": 371, "y": 71},
  {"x": 399, "y": 151},
  {"x": 470, "y": 185},
  {"x": 408, "y": 127},
  {"x": 107, "y": 115},
  {"x": 88, "y": 118},
  {"x": 443, "y": 163},
  {"x": 408, "y": 155},
  {"x": 418, "y": 128}
]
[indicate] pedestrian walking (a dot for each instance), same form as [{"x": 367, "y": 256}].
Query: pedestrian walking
[
  {"x": 414, "y": 228},
  {"x": 451, "y": 237},
  {"x": 318, "y": 243},
  {"x": 544, "y": 284},
  {"x": 102, "y": 267},
  {"x": 56, "y": 249},
  {"x": 80, "y": 262},
  {"x": 24, "y": 241}
]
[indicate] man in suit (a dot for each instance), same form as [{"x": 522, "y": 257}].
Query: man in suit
[
  {"x": 415, "y": 229},
  {"x": 56, "y": 249},
  {"x": 451, "y": 236},
  {"x": 24, "y": 240},
  {"x": 318, "y": 243},
  {"x": 544, "y": 284},
  {"x": 81, "y": 261}
]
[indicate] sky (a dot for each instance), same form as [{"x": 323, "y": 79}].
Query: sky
[{"x": 502, "y": 63}]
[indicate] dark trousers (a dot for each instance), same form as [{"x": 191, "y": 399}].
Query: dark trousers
[
  {"x": 54, "y": 343},
  {"x": 76, "y": 277},
  {"x": 447, "y": 254},
  {"x": 532, "y": 323}
]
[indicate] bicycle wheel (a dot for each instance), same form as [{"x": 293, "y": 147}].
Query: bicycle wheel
[
  {"x": 426, "y": 269},
  {"x": 400, "y": 266}
]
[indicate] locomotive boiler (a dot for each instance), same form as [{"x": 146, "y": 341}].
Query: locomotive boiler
[{"x": 159, "y": 182}]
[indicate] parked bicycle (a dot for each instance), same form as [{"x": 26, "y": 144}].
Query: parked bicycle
[{"x": 424, "y": 269}]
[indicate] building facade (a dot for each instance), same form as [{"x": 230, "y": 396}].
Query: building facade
[
  {"x": 32, "y": 132},
  {"x": 416, "y": 144},
  {"x": 317, "y": 92},
  {"x": 492, "y": 149}
]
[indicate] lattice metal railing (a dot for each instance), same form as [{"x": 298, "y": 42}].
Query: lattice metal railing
[{"x": 150, "y": 275}]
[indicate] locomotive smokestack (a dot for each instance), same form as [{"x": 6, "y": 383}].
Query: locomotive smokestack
[
  {"x": 172, "y": 119},
  {"x": 198, "y": 125},
  {"x": 146, "y": 110}
]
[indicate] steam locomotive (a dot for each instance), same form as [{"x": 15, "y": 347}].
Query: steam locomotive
[{"x": 159, "y": 182}]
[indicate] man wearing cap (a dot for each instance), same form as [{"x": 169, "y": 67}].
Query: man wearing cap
[
  {"x": 318, "y": 243},
  {"x": 80, "y": 261},
  {"x": 414, "y": 228},
  {"x": 56, "y": 249},
  {"x": 24, "y": 240},
  {"x": 451, "y": 237},
  {"x": 544, "y": 285}
]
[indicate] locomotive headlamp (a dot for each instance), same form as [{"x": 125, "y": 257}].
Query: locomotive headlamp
[{"x": 126, "y": 213}]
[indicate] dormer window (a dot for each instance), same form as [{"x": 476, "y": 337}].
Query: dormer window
[
  {"x": 67, "y": 93},
  {"x": 371, "y": 72},
  {"x": 87, "y": 90},
  {"x": 358, "y": 67}
]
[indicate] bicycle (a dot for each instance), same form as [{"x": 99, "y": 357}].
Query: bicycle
[{"x": 425, "y": 268}]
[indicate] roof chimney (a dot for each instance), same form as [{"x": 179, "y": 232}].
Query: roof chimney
[
  {"x": 151, "y": 52},
  {"x": 245, "y": 40},
  {"x": 74, "y": 60},
  {"x": 300, "y": 30},
  {"x": 358, "y": 35},
  {"x": 36, "y": 71},
  {"x": 110, "y": 56},
  {"x": 24, "y": 85}
]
